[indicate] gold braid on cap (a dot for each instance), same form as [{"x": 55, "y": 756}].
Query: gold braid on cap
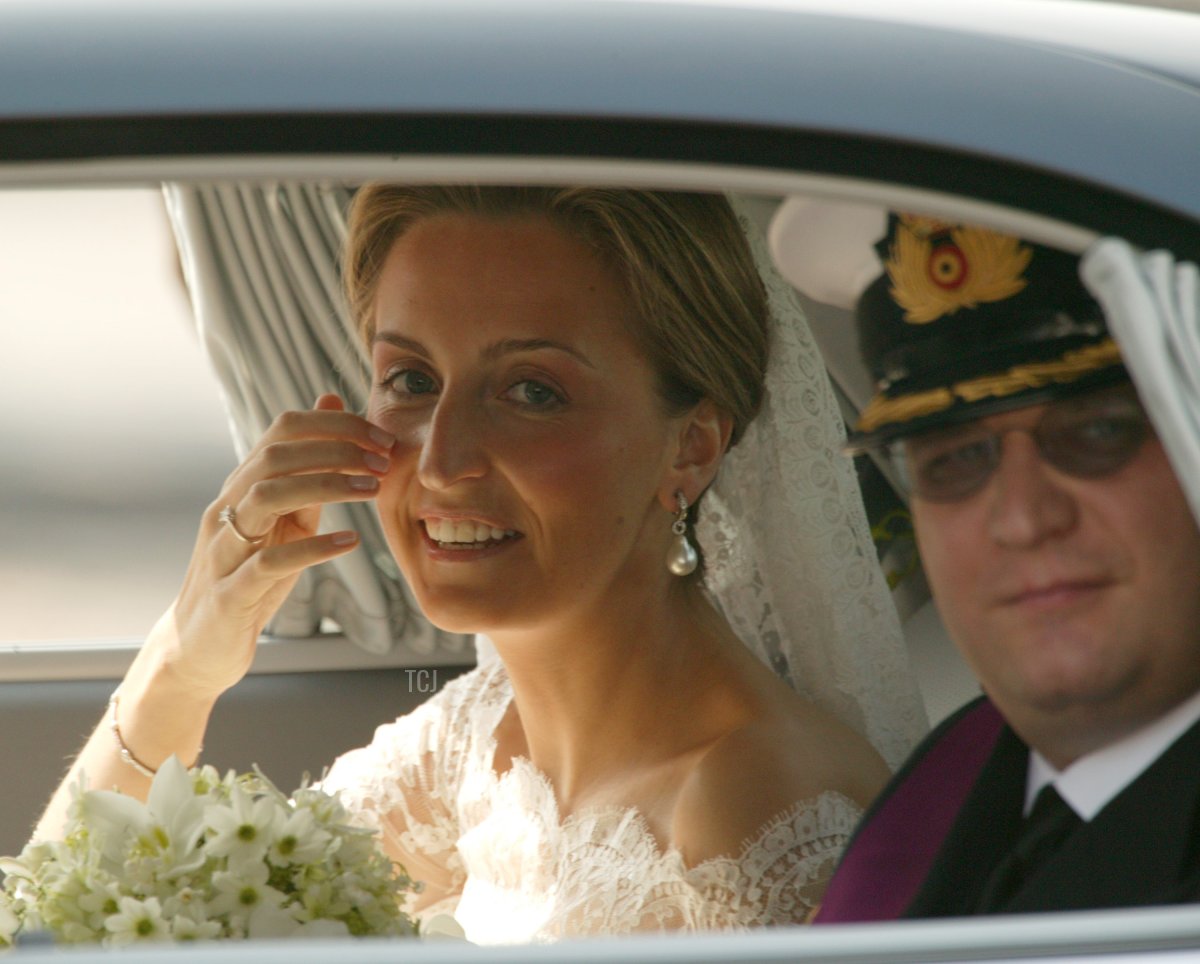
[
  {"x": 1073, "y": 365},
  {"x": 936, "y": 270}
]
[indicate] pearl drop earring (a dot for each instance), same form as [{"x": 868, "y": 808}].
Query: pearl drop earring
[{"x": 682, "y": 558}]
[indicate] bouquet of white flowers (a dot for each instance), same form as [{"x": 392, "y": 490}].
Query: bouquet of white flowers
[{"x": 205, "y": 856}]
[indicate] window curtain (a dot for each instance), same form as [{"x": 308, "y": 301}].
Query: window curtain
[{"x": 261, "y": 266}]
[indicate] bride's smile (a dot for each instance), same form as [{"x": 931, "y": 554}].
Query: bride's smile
[
  {"x": 530, "y": 477},
  {"x": 465, "y": 534},
  {"x": 464, "y": 540}
]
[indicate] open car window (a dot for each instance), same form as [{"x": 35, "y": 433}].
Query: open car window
[
  {"x": 101, "y": 488},
  {"x": 1000, "y": 126}
]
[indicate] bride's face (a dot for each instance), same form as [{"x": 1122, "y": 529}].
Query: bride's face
[{"x": 534, "y": 454}]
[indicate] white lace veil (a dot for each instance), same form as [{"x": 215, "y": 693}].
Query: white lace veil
[{"x": 788, "y": 550}]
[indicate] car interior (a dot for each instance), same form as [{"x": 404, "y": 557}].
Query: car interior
[{"x": 349, "y": 651}]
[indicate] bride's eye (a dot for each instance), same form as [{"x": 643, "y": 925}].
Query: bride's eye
[
  {"x": 409, "y": 382},
  {"x": 531, "y": 393}
]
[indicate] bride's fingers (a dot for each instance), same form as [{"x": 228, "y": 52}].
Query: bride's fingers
[
  {"x": 278, "y": 562},
  {"x": 313, "y": 455},
  {"x": 328, "y": 423},
  {"x": 269, "y": 500},
  {"x": 300, "y": 456},
  {"x": 265, "y": 569},
  {"x": 304, "y": 460},
  {"x": 329, "y": 401},
  {"x": 314, "y": 440},
  {"x": 224, "y": 629},
  {"x": 289, "y": 477}
]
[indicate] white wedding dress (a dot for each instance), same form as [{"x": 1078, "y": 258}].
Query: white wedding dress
[{"x": 492, "y": 850}]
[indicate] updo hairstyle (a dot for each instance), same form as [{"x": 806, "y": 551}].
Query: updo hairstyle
[{"x": 699, "y": 301}]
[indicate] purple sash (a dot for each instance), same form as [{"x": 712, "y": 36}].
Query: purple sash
[{"x": 891, "y": 855}]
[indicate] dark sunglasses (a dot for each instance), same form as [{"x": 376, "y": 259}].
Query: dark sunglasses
[{"x": 1086, "y": 437}]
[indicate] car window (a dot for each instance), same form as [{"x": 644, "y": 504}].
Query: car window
[
  {"x": 114, "y": 433},
  {"x": 115, "y": 440}
]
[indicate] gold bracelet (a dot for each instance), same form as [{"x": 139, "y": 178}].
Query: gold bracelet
[{"x": 123, "y": 750}]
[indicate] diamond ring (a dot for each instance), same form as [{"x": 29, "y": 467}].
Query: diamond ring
[{"x": 229, "y": 517}]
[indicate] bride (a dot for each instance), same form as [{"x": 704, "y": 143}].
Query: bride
[{"x": 558, "y": 375}]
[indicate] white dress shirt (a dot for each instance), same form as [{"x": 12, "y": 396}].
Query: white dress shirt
[{"x": 1094, "y": 779}]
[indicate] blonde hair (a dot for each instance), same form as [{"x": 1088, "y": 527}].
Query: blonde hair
[{"x": 689, "y": 274}]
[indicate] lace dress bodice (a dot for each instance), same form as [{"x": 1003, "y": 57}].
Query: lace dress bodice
[{"x": 492, "y": 849}]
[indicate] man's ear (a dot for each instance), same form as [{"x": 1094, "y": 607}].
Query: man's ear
[{"x": 702, "y": 440}]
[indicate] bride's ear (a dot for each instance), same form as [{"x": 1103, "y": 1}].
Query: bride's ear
[{"x": 701, "y": 443}]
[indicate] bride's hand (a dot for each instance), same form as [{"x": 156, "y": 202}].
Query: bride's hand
[{"x": 232, "y": 587}]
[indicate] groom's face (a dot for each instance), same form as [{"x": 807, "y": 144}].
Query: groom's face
[{"x": 1075, "y": 600}]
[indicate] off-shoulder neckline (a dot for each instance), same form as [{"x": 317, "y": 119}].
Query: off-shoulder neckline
[{"x": 497, "y": 685}]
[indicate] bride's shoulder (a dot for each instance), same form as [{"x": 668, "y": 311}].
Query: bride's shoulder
[{"x": 775, "y": 765}]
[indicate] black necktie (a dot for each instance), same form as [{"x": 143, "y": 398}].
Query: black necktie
[{"x": 1049, "y": 823}]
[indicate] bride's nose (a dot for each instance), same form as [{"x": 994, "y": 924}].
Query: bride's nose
[{"x": 453, "y": 446}]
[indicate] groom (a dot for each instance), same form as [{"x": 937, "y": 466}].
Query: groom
[{"x": 1066, "y": 565}]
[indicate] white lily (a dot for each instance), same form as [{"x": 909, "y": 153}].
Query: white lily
[
  {"x": 137, "y": 920},
  {"x": 179, "y": 814},
  {"x": 243, "y": 829},
  {"x": 299, "y": 840},
  {"x": 242, "y": 892},
  {"x": 110, "y": 817}
]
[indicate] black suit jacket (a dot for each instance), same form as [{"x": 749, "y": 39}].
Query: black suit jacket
[{"x": 1142, "y": 848}]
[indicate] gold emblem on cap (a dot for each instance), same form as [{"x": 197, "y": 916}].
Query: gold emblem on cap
[{"x": 936, "y": 268}]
